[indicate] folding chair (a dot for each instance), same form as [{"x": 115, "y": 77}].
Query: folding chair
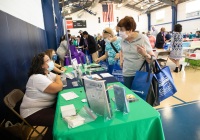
[
  {"x": 11, "y": 100},
  {"x": 162, "y": 57}
]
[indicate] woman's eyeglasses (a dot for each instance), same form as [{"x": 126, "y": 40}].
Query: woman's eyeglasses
[{"x": 105, "y": 31}]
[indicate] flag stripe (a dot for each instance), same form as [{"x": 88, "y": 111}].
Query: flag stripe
[{"x": 108, "y": 16}]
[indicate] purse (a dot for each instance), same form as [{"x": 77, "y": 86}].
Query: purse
[
  {"x": 166, "y": 86},
  {"x": 145, "y": 84},
  {"x": 117, "y": 72}
]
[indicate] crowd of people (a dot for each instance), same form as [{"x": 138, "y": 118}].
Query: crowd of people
[{"x": 128, "y": 48}]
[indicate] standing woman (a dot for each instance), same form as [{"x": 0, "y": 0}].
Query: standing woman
[
  {"x": 62, "y": 50},
  {"x": 110, "y": 52},
  {"x": 177, "y": 47},
  {"x": 135, "y": 49}
]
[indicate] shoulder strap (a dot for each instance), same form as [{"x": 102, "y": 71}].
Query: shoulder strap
[{"x": 114, "y": 47}]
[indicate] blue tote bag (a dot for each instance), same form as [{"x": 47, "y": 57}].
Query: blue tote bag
[
  {"x": 117, "y": 72},
  {"x": 166, "y": 86},
  {"x": 142, "y": 81}
]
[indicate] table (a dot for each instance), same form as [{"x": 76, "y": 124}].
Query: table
[{"x": 142, "y": 123}]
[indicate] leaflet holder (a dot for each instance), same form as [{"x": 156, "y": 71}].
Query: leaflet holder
[{"x": 121, "y": 102}]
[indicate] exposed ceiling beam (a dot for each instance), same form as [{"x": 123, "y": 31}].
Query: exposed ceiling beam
[
  {"x": 158, "y": 8},
  {"x": 169, "y": 2},
  {"x": 65, "y": 13},
  {"x": 135, "y": 8}
]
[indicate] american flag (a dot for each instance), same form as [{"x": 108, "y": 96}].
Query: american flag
[{"x": 108, "y": 15}]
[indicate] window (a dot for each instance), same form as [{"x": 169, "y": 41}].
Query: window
[
  {"x": 192, "y": 6},
  {"x": 160, "y": 15}
]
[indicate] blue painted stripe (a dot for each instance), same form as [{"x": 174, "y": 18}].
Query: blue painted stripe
[
  {"x": 177, "y": 21},
  {"x": 179, "y": 105},
  {"x": 188, "y": 19},
  {"x": 178, "y": 99}
]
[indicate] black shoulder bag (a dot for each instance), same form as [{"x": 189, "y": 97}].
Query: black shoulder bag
[{"x": 114, "y": 47}]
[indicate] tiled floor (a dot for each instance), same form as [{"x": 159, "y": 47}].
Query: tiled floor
[{"x": 180, "y": 113}]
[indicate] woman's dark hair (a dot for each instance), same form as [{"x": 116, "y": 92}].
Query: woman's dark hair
[
  {"x": 128, "y": 23},
  {"x": 178, "y": 28},
  {"x": 36, "y": 65},
  {"x": 49, "y": 53},
  {"x": 62, "y": 38}
]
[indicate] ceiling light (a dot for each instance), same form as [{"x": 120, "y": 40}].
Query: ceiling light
[
  {"x": 142, "y": 7},
  {"x": 69, "y": 11}
]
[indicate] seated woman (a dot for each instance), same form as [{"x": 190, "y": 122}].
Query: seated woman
[
  {"x": 40, "y": 96},
  {"x": 57, "y": 68},
  {"x": 110, "y": 52}
]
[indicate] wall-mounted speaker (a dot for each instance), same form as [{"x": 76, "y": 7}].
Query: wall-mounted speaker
[{"x": 99, "y": 21}]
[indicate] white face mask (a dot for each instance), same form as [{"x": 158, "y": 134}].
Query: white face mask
[
  {"x": 123, "y": 35},
  {"x": 51, "y": 66},
  {"x": 106, "y": 40}
]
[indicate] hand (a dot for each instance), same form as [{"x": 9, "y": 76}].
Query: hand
[
  {"x": 117, "y": 56},
  {"x": 97, "y": 60},
  {"x": 121, "y": 64},
  {"x": 86, "y": 48},
  {"x": 63, "y": 69},
  {"x": 58, "y": 77},
  {"x": 141, "y": 50}
]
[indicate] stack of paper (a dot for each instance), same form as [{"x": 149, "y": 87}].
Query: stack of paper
[
  {"x": 69, "y": 95},
  {"x": 104, "y": 75},
  {"x": 74, "y": 121},
  {"x": 68, "y": 110},
  {"x": 93, "y": 77}
]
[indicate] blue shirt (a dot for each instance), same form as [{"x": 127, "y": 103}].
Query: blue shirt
[{"x": 111, "y": 52}]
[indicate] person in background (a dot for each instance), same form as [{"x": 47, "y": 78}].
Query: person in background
[
  {"x": 152, "y": 39},
  {"x": 95, "y": 37},
  {"x": 82, "y": 42},
  {"x": 91, "y": 45},
  {"x": 160, "y": 39},
  {"x": 57, "y": 68},
  {"x": 154, "y": 31},
  {"x": 78, "y": 39},
  {"x": 101, "y": 45},
  {"x": 74, "y": 41},
  {"x": 117, "y": 30},
  {"x": 177, "y": 47},
  {"x": 190, "y": 35},
  {"x": 197, "y": 34},
  {"x": 110, "y": 53},
  {"x": 135, "y": 49},
  {"x": 98, "y": 36},
  {"x": 168, "y": 37},
  {"x": 38, "y": 104},
  {"x": 62, "y": 50}
]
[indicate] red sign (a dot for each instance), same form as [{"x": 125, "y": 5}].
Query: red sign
[{"x": 69, "y": 24}]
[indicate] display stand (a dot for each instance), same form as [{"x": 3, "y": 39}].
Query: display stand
[
  {"x": 120, "y": 100},
  {"x": 98, "y": 98}
]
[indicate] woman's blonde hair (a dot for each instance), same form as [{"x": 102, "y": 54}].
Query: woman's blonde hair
[{"x": 108, "y": 31}]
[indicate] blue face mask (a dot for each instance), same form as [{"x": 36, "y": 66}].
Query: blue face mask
[
  {"x": 54, "y": 57},
  {"x": 51, "y": 66}
]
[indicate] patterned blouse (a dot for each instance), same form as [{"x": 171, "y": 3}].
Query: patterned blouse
[
  {"x": 176, "y": 44},
  {"x": 111, "y": 52}
]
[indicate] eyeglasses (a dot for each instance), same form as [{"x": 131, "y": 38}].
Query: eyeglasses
[{"x": 105, "y": 31}]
